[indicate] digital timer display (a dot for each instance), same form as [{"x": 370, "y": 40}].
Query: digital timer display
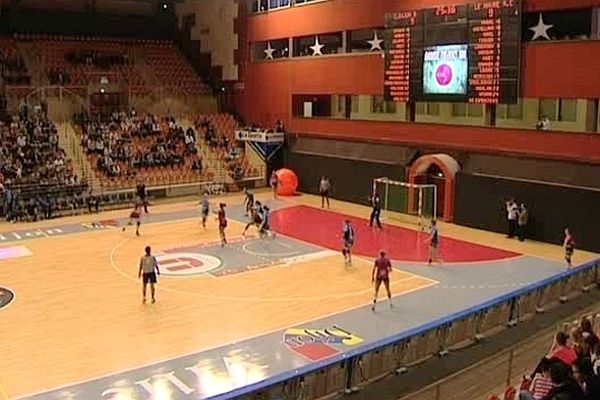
[{"x": 463, "y": 52}]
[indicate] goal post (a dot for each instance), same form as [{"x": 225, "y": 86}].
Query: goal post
[{"x": 407, "y": 202}]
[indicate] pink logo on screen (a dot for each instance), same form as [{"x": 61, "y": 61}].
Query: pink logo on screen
[{"x": 443, "y": 74}]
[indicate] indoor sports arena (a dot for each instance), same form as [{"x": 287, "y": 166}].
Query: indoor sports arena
[{"x": 299, "y": 199}]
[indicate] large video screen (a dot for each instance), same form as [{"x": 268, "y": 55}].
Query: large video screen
[
  {"x": 464, "y": 53},
  {"x": 446, "y": 70}
]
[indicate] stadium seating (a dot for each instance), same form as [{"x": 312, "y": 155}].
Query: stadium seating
[
  {"x": 587, "y": 348},
  {"x": 37, "y": 180},
  {"x": 170, "y": 67},
  {"x": 218, "y": 131},
  {"x": 129, "y": 149},
  {"x": 68, "y": 61},
  {"x": 16, "y": 72}
]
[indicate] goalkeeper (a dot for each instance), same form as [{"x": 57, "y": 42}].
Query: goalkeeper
[{"x": 376, "y": 211}]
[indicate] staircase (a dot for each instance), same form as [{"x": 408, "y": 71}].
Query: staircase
[
  {"x": 210, "y": 160},
  {"x": 70, "y": 142}
]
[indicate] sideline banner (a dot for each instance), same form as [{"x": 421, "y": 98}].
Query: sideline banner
[
  {"x": 265, "y": 143},
  {"x": 262, "y": 136}
]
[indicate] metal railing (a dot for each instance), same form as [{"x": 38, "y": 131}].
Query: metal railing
[{"x": 353, "y": 369}]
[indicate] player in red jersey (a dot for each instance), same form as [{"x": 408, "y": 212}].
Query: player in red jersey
[
  {"x": 381, "y": 273},
  {"x": 136, "y": 216},
  {"x": 222, "y": 218}
]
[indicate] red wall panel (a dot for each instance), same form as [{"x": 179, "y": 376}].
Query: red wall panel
[
  {"x": 270, "y": 85},
  {"x": 550, "y": 69},
  {"x": 564, "y": 70},
  {"x": 330, "y": 16},
  {"x": 561, "y": 69},
  {"x": 544, "y": 5},
  {"x": 339, "y": 15},
  {"x": 555, "y": 145}
]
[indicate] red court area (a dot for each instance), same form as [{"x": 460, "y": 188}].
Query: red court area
[{"x": 324, "y": 228}]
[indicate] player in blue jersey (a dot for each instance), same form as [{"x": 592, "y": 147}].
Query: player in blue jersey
[
  {"x": 204, "y": 208},
  {"x": 265, "y": 225},
  {"x": 348, "y": 241},
  {"x": 248, "y": 201},
  {"x": 434, "y": 244}
]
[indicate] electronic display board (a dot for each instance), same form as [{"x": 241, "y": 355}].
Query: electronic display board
[{"x": 463, "y": 52}]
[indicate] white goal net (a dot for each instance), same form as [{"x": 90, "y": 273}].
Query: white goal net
[{"x": 412, "y": 203}]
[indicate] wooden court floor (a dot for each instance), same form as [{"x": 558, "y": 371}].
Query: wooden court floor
[{"x": 78, "y": 311}]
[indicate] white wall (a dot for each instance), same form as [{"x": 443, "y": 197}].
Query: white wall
[{"x": 215, "y": 29}]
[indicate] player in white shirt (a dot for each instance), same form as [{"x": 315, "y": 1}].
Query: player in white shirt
[{"x": 148, "y": 272}]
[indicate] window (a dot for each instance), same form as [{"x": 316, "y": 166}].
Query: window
[
  {"x": 355, "y": 100},
  {"x": 567, "y": 110},
  {"x": 365, "y": 40},
  {"x": 380, "y": 106},
  {"x": 271, "y": 50},
  {"x": 459, "y": 109},
  {"x": 558, "y": 109},
  {"x": 274, "y": 4},
  {"x": 424, "y": 108},
  {"x": 329, "y": 43},
  {"x": 300, "y": 2},
  {"x": 475, "y": 110},
  {"x": 510, "y": 111},
  {"x": 257, "y": 6},
  {"x": 467, "y": 110},
  {"x": 341, "y": 104},
  {"x": 547, "y": 108}
]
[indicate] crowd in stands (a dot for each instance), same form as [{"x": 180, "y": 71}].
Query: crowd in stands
[
  {"x": 125, "y": 144},
  {"x": 219, "y": 135},
  {"x": 68, "y": 62},
  {"x": 277, "y": 128},
  {"x": 36, "y": 177},
  {"x": 570, "y": 370}
]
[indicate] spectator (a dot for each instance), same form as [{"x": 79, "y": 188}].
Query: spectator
[
  {"x": 93, "y": 203},
  {"x": 512, "y": 211},
  {"x": 543, "y": 124},
  {"x": 561, "y": 351},
  {"x": 576, "y": 339},
  {"x": 595, "y": 359},
  {"x": 540, "y": 385},
  {"x": 587, "y": 330},
  {"x": 583, "y": 374},
  {"x": 564, "y": 386},
  {"x": 30, "y": 157},
  {"x": 522, "y": 222}
]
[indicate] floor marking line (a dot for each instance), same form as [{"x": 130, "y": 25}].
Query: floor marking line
[
  {"x": 218, "y": 346},
  {"x": 3, "y": 392},
  {"x": 269, "y": 255},
  {"x": 246, "y": 298}
]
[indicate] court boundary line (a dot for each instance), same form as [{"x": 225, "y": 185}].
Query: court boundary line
[
  {"x": 218, "y": 346},
  {"x": 3, "y": 392},
  {"x": 265, "y": 255},
  {"x": 14, "y": 298},
  {"x": 452, "y": 263},
  {"x": 200, "y": 351},
  {"x": 117, "y": 269},
  {"x": 294, "y": 204}
]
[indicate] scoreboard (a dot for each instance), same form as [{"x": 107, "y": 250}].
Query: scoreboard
[{"x": 464, "y": 53}]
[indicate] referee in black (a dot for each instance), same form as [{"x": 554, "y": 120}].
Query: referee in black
[{"x": 376, "y": 211}]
